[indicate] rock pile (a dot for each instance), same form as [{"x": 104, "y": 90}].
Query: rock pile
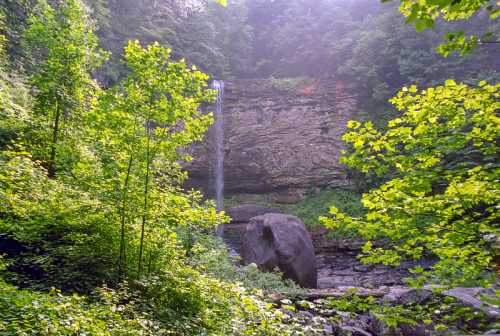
[{"x": 338, "y": 264}]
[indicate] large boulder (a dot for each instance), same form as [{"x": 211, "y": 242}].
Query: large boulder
[
  {"x": 240, "y": 214},
  {"x": 276, "y": 240}
]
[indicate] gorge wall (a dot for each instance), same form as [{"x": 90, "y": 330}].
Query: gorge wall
[{"x": 278, "y": 139}]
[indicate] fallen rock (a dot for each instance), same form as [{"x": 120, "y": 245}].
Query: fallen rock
[
  {"x": 342, "y": 292},
  {"x": 240, "y": 214},
  {"x": 353, "y": 331},
  {"x": 406, "y": 295},
  {"x": 471, "y": 297},
  {"x": 282, "y": 241}
]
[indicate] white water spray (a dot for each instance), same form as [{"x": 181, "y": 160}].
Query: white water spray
[{"x": 218, "y": 165}]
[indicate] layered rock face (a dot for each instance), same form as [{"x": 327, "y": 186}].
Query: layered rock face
[{"x": 277, "y": 139}]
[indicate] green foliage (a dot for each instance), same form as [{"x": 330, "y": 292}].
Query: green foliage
[
  {"x": 140, "y": 127},
  {"x": 91, "y": 183},
  {"x": 442, "y": 313},
  {"x": 62, "y": 228},
  {"x": 179, "y": 301},
  {"x": 442, "y": 193},
  {"x": 210, "y": 255},
  {"x": 381, "y": 55},
  {"x": 437, "y": 313},
  {"x": 424, "y": 14},
  {"x": 215, "y": 38},
  {"x": 15, "y": 14},
  {"x": 2, "y": 39},
  {"x": 352, "y": 303},
  {"x": 14, "y": 96},
  {"x": 26, "y": 312},
  {"x": 291, "y": 84},
  {"x": 113, "y": 211},
  {"x": 362, "y": 43},
  {"x": 71, "y": 244},
  {"x": 15, "y": 103},
  {"x": 65, "y": 50},
  {"x": 315, "y": 204}
]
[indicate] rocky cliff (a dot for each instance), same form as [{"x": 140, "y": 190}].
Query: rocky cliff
[{"x": 279, "y": 139}]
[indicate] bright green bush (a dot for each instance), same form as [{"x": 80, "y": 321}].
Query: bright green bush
[
  {"x": 441, "y": 200},
  {"x": 30, "y": 313},
  {"x": 63, "y": 229},
  {"x": 178, "y": 301},
  {"x": 315, "y": 205}
]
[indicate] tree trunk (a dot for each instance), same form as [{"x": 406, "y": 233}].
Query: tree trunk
[
  {"x": 122, "y": 219},
  {"x": 55, "y": 136},
  {"x": 145, "y": 208}
]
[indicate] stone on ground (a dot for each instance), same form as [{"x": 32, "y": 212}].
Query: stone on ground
[{"x": 281, "y": 241}]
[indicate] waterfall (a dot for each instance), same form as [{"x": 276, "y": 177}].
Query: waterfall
[{"x": 218, "y": 164}]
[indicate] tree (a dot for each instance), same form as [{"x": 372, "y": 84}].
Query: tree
[
  {"x": 65, "y": 51},
  {"x": 441, "y": 196},
  {"x": 144, "y": 124},
  {"x": 213, "y": 37},
  {"x": 424, "y": 14},
  {"x": 15, "y": 99},
  {"x": 381, "y": 54}
]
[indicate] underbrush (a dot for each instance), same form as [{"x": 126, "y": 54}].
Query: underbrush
[
  {"x": 210, "y": 255},
  {"x": 318, "y": 204},
  {"x": 69, "y": 237},
  {"x": 435, "y": 315},
  {"x": 178, "y": 300},
  {"x": 26, "y": 312}
]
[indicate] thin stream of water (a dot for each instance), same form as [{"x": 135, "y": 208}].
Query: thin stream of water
[{"x": 218, "y": 164}]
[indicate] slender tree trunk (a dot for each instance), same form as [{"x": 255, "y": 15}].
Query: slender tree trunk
[
  {"x": 149, "y": 262},
  {"x": 146, "y": 191},
  {"x": 122, "y": 219},
  {"x": 55, "y": 136}
]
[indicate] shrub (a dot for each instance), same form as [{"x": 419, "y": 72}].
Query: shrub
[{"x": 442, "y": 195}]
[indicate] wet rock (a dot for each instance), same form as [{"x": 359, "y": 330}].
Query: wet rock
[
  {"x": 306, "y": 315},
  {"x": 282, "y": 241},
  {"x": 328, "y": 329},
  {"x": 378, "y": 327},
  {"x": 363, "y": 268},
  {"x": 358, "y": 325}
]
